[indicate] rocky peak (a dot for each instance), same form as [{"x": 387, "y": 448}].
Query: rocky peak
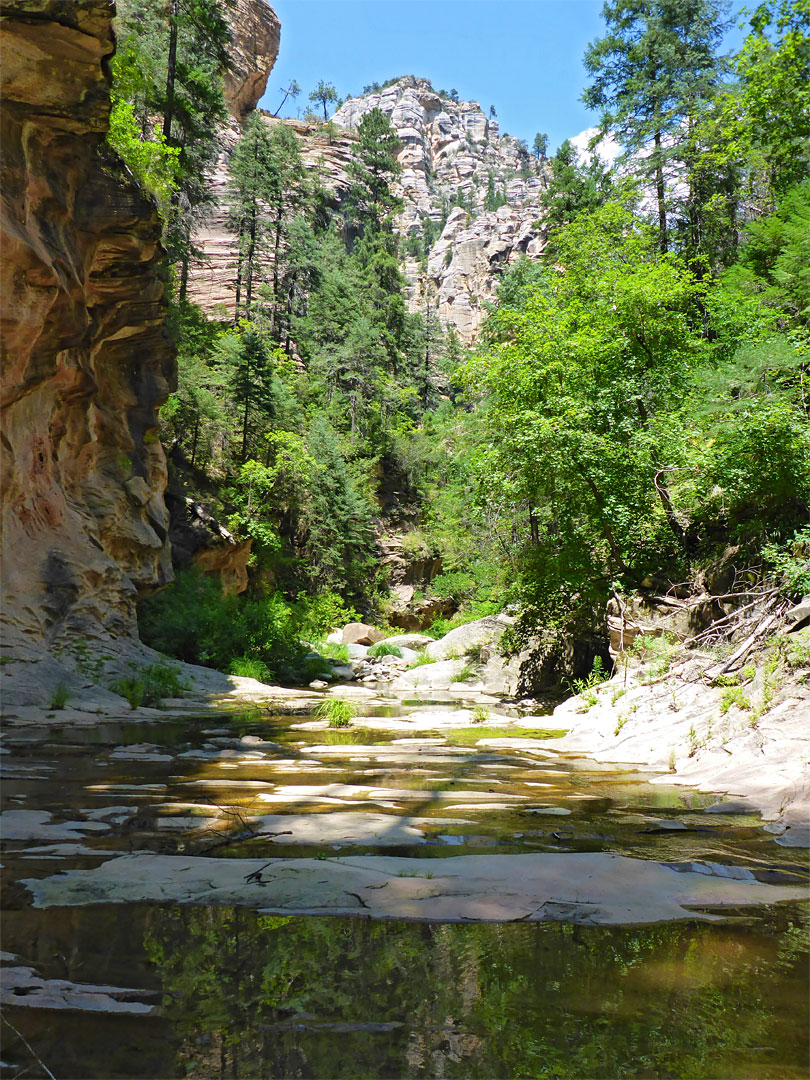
[
  {"x": 478, "y": 189},
  {"x": 451, "y": 154}
]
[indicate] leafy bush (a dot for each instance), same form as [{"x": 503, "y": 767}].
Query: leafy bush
[
  {"x": 193, "y": 621},
  {"x": 791, "y": 561},
  {"x": 585, "y": 686},
  {"x": 323, "y": 611},
  {"x": 383, "y": 648}
]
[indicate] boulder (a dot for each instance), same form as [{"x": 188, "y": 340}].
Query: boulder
[
  {"x": 357, "y": 652},
  {"x": 482, "y": 634},
  {"x": 409, "y": 641},
  {"x": 436, "y": 676},
  {"x": 360, "y": 634}
]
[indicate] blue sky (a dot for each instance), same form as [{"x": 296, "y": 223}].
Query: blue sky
[{"x": 522, "y": 56}]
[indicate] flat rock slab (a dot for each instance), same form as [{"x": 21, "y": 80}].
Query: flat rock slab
[
  {"x": 36, "y": 825},
  {"x": 593, "y": 887},
  {"x": 22, "y": 986},
  {"x": 346, "y": 828}
]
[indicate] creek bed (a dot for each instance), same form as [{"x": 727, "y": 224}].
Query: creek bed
[{"x": 468, "y": 903}]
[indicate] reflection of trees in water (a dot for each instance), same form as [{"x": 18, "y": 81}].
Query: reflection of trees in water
[{"x": 252, "y": 995}]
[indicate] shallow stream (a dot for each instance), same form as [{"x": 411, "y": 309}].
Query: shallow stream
[{"x": 159, "y": 988}]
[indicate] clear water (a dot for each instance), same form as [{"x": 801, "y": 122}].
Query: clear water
[{"x": 239, "y": 994}]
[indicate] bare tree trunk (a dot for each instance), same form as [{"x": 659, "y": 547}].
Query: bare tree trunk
[{"x": 168, "y": 112}]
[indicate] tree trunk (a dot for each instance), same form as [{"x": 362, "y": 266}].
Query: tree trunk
[
  {"x": 660, "y": 192},
  {"x": 534, "y": 528},
  {"x": 168, "y": 111},
  {"x": 251, "y": 253},
  {"x": 276, "y": 276}
]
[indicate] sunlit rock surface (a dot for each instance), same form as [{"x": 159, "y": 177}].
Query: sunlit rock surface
[
  {"x": 255, "y": 36},
  {"x": 592, "y": 888},
  {"x": 86, "y": 360}
]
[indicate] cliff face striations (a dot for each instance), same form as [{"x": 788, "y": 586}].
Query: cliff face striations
[{"x": 86, "y": 360}]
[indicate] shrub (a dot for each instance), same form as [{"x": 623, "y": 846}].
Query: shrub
[
  {"x": 59, "y": 697},
  {"x": 250, "y": 667},
  {"x": 339, "y": 713},
  {"x": 323, "y": 611},
  {"x": 383, "y": 648},
  {"x": 149, "y": 685},
  {"x": 480, "y": 714},
  {"x": 193, "y": 621}
]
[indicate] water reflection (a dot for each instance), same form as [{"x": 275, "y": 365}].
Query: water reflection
[{"x": 250, "y": 995}]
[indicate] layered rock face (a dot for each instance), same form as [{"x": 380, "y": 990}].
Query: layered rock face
[
  {"x": 86, "y": 360},
  {"x": 255, "y": 36},
  {"x": 212, "y": 282},
  {"x": 450, "y": 150}
]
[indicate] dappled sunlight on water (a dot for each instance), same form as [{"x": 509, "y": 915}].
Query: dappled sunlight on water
[{"x": 237, "y": 993}]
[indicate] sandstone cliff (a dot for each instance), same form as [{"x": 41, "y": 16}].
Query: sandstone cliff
[
  {"x": 86, "y": 360},
  {"x": 255, "y": 36},
  {"x": 450, "y": 151}
]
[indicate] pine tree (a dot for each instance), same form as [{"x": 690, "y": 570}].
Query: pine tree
[
  {"x": 169, "y": 63},
  {"x": 372, "y": 170},
  {"x": 652, "y": 74}
]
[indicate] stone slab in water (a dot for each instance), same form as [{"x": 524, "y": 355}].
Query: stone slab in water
[{"x": 591, "y": 888}]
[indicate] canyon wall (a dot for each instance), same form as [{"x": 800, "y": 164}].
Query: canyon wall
[
  {"x": 86, "y": 359},
  {"x": 449, "y": 151}
]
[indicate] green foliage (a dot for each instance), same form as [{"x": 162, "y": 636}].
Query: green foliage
[
  {"x": 323, "y": 612},
  {"x": 480, "y": 714},
  {"x": 768, "y": 114},
  {"x": 652, "y": 75},
  {"x": 59, "y": 697},
  {"x": 154, "y": 163},
  {"x": 324, "y": 95},
  {"x": 595, "y": 678},
  {"x": 734, "y": 697},
  {"x": 339, "y": 713},
  {"x": 791, "y": 562},
  {"x": 150, "y": 684},
  {"x": 168, "y": 63},
  {"x": 384, "y": 648},
  {"x": 193, "y": 621},
  {"x": 421, "y": 660},
  {"x": 573, "y": 188},
  {"x": 578, "y": 366},
  {"x": 251, "y": 667},
  {"x": 132, "y": 688}
]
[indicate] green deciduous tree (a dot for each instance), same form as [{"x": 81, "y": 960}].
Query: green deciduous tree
[{"x": 581, "y": 363}]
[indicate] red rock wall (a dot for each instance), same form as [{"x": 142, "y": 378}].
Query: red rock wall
[{"x": 85, "y": 357}]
